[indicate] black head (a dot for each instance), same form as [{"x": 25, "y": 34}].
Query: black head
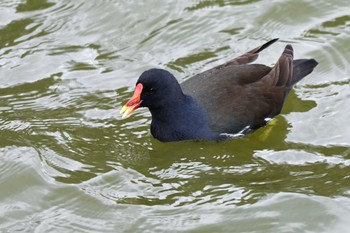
[
  {"x": 175, "y": 116},
  {"x": 159, "y": 88}
]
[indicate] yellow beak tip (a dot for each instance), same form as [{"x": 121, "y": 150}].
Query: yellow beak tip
[
  {"x": 124, "y": 108},
  {"x": 126, "y": 111}
]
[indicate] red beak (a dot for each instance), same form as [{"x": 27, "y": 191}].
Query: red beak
[{"x": 133, "y": 103}]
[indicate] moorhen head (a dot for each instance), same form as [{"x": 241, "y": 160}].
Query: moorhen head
[{"x": 228, "y": 100}]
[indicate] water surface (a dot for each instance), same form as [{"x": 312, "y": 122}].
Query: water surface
[{"x": 69, "y": 163}]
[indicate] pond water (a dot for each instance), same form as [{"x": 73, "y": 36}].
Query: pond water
[{"x": 69, "y": 163}]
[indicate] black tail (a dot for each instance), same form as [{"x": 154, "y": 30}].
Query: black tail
[{"x": 301, "y": 68}]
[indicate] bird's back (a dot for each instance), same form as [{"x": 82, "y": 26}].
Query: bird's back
[
  {"x": 235, "y": 97},
  {"x": 226, "y": 95}
]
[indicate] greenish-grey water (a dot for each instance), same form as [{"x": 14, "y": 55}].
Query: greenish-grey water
[{"x": 69, "y": 163}]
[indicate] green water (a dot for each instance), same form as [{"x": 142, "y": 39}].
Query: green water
[{"x": 69, "y": 163}]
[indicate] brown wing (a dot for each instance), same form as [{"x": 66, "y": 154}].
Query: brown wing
[{"x": 249, "y": 56}]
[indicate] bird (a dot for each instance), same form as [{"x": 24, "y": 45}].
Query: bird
[{"x": 227, "y": 101}]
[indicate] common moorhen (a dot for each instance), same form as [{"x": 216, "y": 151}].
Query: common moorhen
[{"x": 231, "y": 99}]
